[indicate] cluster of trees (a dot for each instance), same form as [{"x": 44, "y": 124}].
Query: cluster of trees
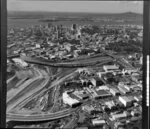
[
  {"x": 128, "y": 47},
  {"x": 92, "y": 30}
]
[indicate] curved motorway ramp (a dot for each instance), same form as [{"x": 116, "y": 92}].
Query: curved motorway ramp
[{"x": 40, "y": 117}]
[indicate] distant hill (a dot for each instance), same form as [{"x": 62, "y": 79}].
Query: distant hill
[
  {"x": 131, "y": 13},
  {"x": 94, "y": 18},
  {"x": 42, "y": 14}
]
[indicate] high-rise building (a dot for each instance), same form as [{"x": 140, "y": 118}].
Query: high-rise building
[{"x": 74, "y": 26}]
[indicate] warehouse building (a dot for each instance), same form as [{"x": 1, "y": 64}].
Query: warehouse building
[
  {"x": 102, "y": 94},
  {"x": 70, "y": 101},
  {"x": 111, "y": 68}
]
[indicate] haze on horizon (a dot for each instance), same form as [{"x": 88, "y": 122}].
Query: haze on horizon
[{"x": 76, "y": 6}]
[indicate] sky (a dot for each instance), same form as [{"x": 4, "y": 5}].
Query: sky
[{"x": 75, "y": 6}]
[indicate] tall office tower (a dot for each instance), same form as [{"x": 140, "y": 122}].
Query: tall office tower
[{"x": 74, "y": 26}]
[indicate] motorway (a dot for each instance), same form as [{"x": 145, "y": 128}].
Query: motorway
[
  {"x": 83, "y": 63},
  {"x": 60, "y": 79},
  {"x": 13, "y": 56},
  {"x": 36, "y": 93},
  {"x": 40, "y": 117},
  {"x": 51, "y": 116},
  {"x": 77, "y": 63},
  {"x": 25, "y": 89},
  {"x": 119, "y": 60},
  {"x": 33, "y": 88}
]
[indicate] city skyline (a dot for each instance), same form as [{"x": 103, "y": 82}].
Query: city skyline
[{"x": 76, "y": 6}]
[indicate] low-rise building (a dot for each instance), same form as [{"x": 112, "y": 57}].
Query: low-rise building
[
  {"x": 20, "y": 62},
  {"x": 110, "y": 104},
  {"x": 110, "y": 68},
  {"x": 135, "y": 113},
  {"x": 119, "y": 116},
  {"x": 123, "y": 90},
  {"x": 118, "y": 125},
  {"x": 102, "y": 88},
  {"x": 114, "y": 91},
  {"x": 81, "y": 128},
  {"x": 81, "y": 94},
  {"x": 88, "y": 108},
  {"x": 138, "y": 98},
  {"x": 68, "y": 100},
  {"x": 102, "y": 94},
  {"x": 126, "y": 101},
  {"x": 96, "y": 81},
  {"x": 98, "y": 122},
  {"x": 127, "y": 87}
]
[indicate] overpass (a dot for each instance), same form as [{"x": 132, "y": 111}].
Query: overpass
[
  {"x": 82, "y": 63},
  {"x": 119, "y": 60},
  {"x": 39, "y": 117},
  {"x": 13, "y": 56}
]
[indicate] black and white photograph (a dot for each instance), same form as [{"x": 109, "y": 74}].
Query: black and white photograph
[{"x": 74, "y": 64}]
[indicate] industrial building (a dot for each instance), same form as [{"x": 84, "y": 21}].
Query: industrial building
[
  {"x": 102, "y": 94},
  {"x": 111, "y": 68},
  {"x": 70, "y": 101}
]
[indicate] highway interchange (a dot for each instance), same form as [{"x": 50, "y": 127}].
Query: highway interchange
[{"x": 59, "y": 80}]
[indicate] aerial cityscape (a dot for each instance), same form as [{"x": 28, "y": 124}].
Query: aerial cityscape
[{"x": 70, "y": 70}]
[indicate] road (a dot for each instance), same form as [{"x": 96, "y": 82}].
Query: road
[
  {"x": 72, "y": 123},
  {"x": 13, "y": 92},
  {"x": 119, "y": 59},
  {"x": 10, "y": 79},
  {"x": 13, "y": 56},
  {"x": 55, "y": 83},
  {"x": 59, "y": 80},
  {"x": 84, "y": 63},
  {"x": 25, "y": 90},
  {"x": 40, "y": 117}
]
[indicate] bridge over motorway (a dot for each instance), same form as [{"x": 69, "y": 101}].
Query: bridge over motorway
[
  {"x": 81, "y": 63},
  {"x": 13, "y": 56},
  {"x": 39, "y": 117},
  {"x": 120, "y": 60}
]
